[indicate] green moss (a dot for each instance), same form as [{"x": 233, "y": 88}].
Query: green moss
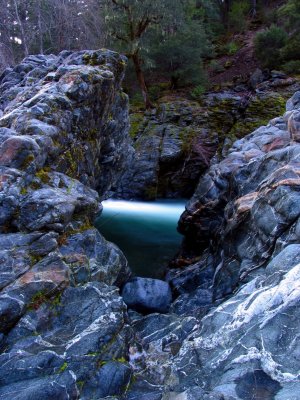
[
  {"x": 93, "y": 354},
  {"x": 90, "y": 134},
  {"x": 63, "y": 367},
  {"x": 70, "y": 187},
  {"x": 34, "y": 259},
  {"x": 28, "y": 160},
  {"x": 43, "y": 175},
  {"x": 80, "y": 384},
  {"x": 259, "y": 112},
  {"x": 90, "y": 59},
  {"x": 187, "y": 136},
  {"x": 101, "y": 363},
  {"x": 120, "y": 360},
  {"x": 136, "y": 121},
  {"x": 71, "y": 159},
  {"x": 23, "y": 191},
  {"x": 56, "y": 301},
  {"x": 37, "y": 299}
]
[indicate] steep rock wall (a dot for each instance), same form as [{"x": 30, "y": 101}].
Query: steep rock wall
[{"x": 63, "y": 134}]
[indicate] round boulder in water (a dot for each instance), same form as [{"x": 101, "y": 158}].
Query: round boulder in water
[{"x": 147, "y": 295}]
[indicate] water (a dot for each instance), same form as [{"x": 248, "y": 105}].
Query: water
[{"x": 145, "y": 232}]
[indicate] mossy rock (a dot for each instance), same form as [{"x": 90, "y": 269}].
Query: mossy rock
[
  {"x": 259, "y": 112},
  {"x": 43, "y": 175},
  {"x": 136, "y": 122}
]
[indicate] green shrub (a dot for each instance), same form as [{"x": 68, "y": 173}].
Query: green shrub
[
  {"x": 292, "y": 67},
  {"x": 291, "y": 51},
  {"x": 197, "y": 92},
  {"x": 156, "y": 91},
  {"x": 216, "y": 66},
  {"x": 231, "y": 48},
  {"x": 268, "y": 45},
  {"x": 136, "y": 100},
  {"x": 237, "y": 16}
]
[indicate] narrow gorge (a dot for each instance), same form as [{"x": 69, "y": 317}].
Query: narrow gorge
[{"x": 222, "y": 323}]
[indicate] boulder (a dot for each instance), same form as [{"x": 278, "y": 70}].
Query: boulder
[{"x": 147, "y": 295}]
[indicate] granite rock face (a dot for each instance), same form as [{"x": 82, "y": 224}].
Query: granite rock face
[{"x": 63, "y": 145}]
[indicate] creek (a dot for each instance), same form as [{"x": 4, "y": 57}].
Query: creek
[{"x": 144, "y": 231}]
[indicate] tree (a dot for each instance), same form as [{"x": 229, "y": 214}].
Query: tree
[
  {"x": 48, "y": 26},
  {"x": 268, "y": 45},
  {"x": 128, "y": 22},
  {"x": 178, "y": 50}
]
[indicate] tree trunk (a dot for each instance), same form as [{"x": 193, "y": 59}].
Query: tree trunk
[
  {"x": 23, "y": 37},
  {"x": 40, "y": 27},
  {"x": 253, "y": 7},
  {"x": 141, "y": 79},
  {"x": 225, "y": 9}
]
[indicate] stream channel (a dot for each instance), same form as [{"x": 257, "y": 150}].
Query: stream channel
[{"x": 145, "y": 232}]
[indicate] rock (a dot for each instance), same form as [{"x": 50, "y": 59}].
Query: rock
[
  {"x": 256, "y": 78},
  {"x": 158, "y": 341},
  {"x": 147, "y": 295},
  {"x": 294, "y": 102},
  {"x": 63, "y": 134},
  {"x": 172, "y": 149},
  {"x": 177, "y": 142},
  {"x": 112, "y": 379},
  {"x": 242, "y": 243},
  {"x": 196, "y": 303},
  {"x": 294, "y": 126},
  {"x": 74, "y": 336},
  {"x": 91, "y": 258}
]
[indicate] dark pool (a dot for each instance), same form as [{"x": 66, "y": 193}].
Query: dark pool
[{"x": 144, "y": 231}]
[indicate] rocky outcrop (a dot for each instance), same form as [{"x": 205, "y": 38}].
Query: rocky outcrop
[
  {"x": 233, "y": 329},
  {"x": 63, "y": 135},
  {"x": 176, "y": 142}
]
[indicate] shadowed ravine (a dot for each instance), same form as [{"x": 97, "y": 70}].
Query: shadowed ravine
[{"x": 145, "y": 232}]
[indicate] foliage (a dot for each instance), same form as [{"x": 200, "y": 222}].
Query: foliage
[
  {"x": 292, "y": 67},
  {"x": 232, "y": 47},
  {"x": 290, "y": 14},
  {"x": 166, "y": 40},
  {"x": 237, "y": 16},
  {"x": 216, "y": 67},
  {"x": 48, "y": 26},
  {"x": 179, "y": 54},
  {"x": 197, "y": 92},
  {"x": 291, "y": 51},
  {"x": 268, "y": 45}
]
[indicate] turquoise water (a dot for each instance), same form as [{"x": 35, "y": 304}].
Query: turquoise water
[{"x": 145, "y": 232}]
